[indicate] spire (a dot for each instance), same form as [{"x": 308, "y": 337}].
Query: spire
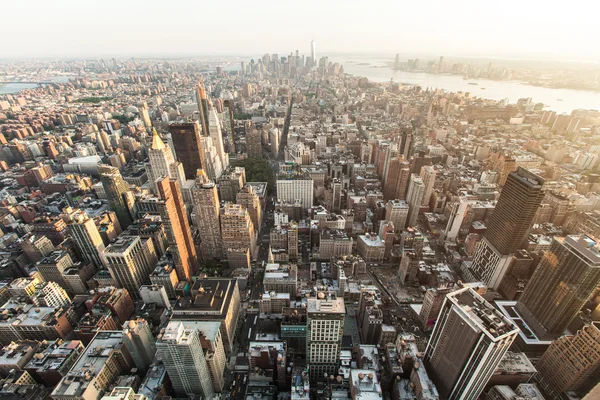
[{"x": 157, "y": 143}]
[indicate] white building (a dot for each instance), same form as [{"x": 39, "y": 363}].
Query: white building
[
  {"x": 414, "y": 198},
  {"x": 294, "y": 188}
]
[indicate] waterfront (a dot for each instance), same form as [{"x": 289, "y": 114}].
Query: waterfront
[{"x": 378, "y": 70}]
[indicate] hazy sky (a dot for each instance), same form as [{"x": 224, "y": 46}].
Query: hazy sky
[{"x": 566, "y": 29}]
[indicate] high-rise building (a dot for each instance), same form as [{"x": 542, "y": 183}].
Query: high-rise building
[
  {"x": 571, "y": 362},
  {"x": 138, "y": 338},
  {"x": 180, "y": 349},
  {"x": 162, "y": 163},
  {"x": 254, "y": 143},
  {"x": 187, "y": 146},
  {"x": 468, "y": 341},
  {"x": 250, "y": 200},
  {"x": 202, "y": 101},
  {"x": 428, "y": 174},
  {"x": 313, "y": 52},
  {"x": 217, "y": 136},
  {"x": 85, "y": 233},
  {"x": 396, "y": 211},
  {"x": 210, "y": 161},
  {"x": 396, "y": 182},
  {"x": 237, "y": 230},
  {"x": 177, "y": 229},
  {"x": 130, "y": 260},
  {"x": 206, "y": 212},
  {"x": 325, "y": 327},
  {"x": 50, "y": 294},
  {"x": 562, "y": 283},
  {"x": 294, "y": 187},
  {"x": 414, "y": 198},
  {"x": 116, "y": 190},
  {"x": 517, "y": 205}
]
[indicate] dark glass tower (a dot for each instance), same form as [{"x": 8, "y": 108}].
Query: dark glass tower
[{"x": 186, "y": 142}]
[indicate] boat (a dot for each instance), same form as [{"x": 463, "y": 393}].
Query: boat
[
  {"x": 473, "y": 83},
  {"x": 559, "y": 99},
  {"x": 482, "y": 88}
]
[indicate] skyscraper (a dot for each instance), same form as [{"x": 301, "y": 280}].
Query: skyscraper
[
  {"x": 177, "y": 229},
  {"x": 187, "y": 146},
  {"x": 162, "y": 163},
  {"x": 253, "y": 143},
  {"x": 570, "y": 362},
  {"x": 468, "y": 341},
  {"x": 180, "y": 349},
  {"x": 313, "y": 52},
  {"x": 140, "y": 342},
  {"x": 86, "y": 235},
  {"x": 130, "y": 260},
  {"x": 428, "y": 174},
  {"x": 396, "y": 182},
  {"x": 202, "y": 102},
  {"x": 325, "y": 327},
  {"x": 116, "y": 191},
  {"x": 519, "y": 200},
  {"x": 207, "y": 211},
  {"x": 563, "y": 281},
  {"x": 414, "y": 198},
  {"x": 214, "y": 128}
]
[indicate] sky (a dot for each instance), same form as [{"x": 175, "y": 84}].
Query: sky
[{"x": 101, "y": 28}]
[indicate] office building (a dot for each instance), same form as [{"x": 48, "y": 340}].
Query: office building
[
  {"x": 116, "y": 190},
  {"x": 468, "y": 341},
  {"x": 180, "y": 349},
  {"x": 85, "y": 233},
  {"x": 572, "y": 362},
  {"x": 214, "y": 127},
  {"x": 214, "y": 352},
  {"x": 162, "y": 163},
  {"x": 105, "y": 358},
  {"x": 414, "y": 198},
  {"x": 156, "y": 294},
  {"x": 165, "y": 276},
  {"x": 50, "y": 294},
  {"x": 397, "y": 212},
  {"x": 237, "y": 230},
  {"x": 292, "y": 188},
  {"x": 268, "y": 363},
  {"x": 175, "y": 221},
  {"x": 281, "y": 278},
  {"x": 428, "y": 174},
  {"x": 250, "y": 200},
  {"x": 54, "y": 361},
  {"x": 562, "y": 283},
  {"x": 187, "y": 146},
  {"x": 138, "y": 338},
  {"x": 130, "y": 260},
  {"x": 36, "y": 247},
  {"x": 325, "y": 326},
  {"x": 231, "y": 182},
  {"x": 253, "y": 142},
  {"x": 396, "y": 182},
  {"x": 213, "y": 299},
  {"x": 52, "y": 267},
  {"x": 507, "y": 226}
]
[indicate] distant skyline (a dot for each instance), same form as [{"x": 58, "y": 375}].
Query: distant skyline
[{"x": 520, "y": 29}]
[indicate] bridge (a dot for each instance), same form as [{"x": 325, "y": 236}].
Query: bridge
[{"x": 40, "y": 84}]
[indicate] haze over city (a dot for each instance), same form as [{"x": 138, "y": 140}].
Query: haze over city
[{"x": 34, "y": 28}]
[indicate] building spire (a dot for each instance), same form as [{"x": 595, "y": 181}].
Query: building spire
[{"x": 157, "y": 143}]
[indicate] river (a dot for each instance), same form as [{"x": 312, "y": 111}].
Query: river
[
  {"x": 495, "y": 90},
  {"x": 17, "y": 87}
]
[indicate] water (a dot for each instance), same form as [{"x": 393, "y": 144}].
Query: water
[
  {"x": 15, "y": 87},
  {"x": 495, "y": 90}
]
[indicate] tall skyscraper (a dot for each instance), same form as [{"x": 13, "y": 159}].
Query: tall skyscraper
[
  {"x": 519, "y": 200},
  {"x": 428, "y": 174},
  {"x": 468, "y": 342},
  {"x": 214, "y": 128},
  {"x": 210, "y": 160},
  {"x": 253, "y": 143},
  {"x": 130, "y": 260},
  {"x": 207, "y": 211},
  {"x": 313, "y": 52},
  {"x": 396, "y": 211},
  {"x": 571, "y": 362},
  {"x": 414, "y": 198},
  {"x": 325, "y": 327},
  {"x": 177, "y": 229},
  {"x": 162, "y": 163},
  {"x": 85, "y": 233},
  {"x": 180, "y": 349},
  {"x": 140, "y": 342},
  {"x": 562, "y": 283},
  {"x": 202, "y": 102},
  {"x": 187, "y": 146},
  {"x": 116, "y": 190}
]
